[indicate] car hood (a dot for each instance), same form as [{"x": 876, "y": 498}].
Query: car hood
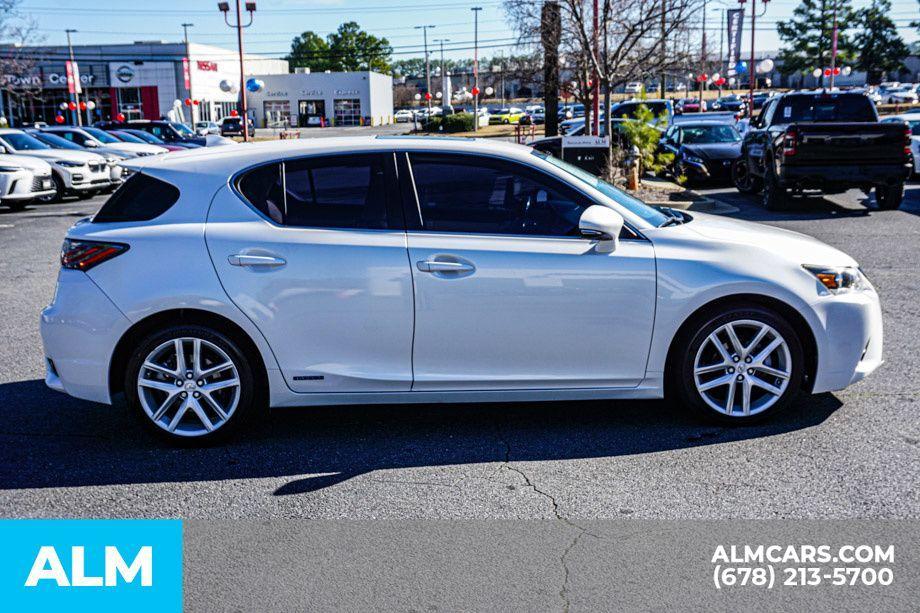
[
  {"x": 65, "y": 155},
  {"x": 791, "y": 245},
  {"x": 134, "y": 148},
  {"x": 25, "y": 161},
  {"x": 715, "y": 151}
]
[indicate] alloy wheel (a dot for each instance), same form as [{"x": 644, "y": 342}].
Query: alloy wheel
[
  {"x": 742, "y": 368},
  {"x": 188, "y": 386}
]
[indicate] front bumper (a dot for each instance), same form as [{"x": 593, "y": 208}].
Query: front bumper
[
  {"x": 711, "y": 170},
  {"x": 850, "y": 347},
  {"x": 80, "y": 329}
]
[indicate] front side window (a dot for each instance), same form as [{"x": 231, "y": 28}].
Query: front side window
[
  {"x": 471, "y": 194},
  {"x": 344, "y": 191}
]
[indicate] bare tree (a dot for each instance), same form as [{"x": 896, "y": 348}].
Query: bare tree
[{"x": 16, "y": 60}]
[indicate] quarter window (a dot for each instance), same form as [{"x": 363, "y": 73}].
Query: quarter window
[{"x": 460, "y": 193}]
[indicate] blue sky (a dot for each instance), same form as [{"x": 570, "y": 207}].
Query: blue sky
[{"x": 277, "y": 21}]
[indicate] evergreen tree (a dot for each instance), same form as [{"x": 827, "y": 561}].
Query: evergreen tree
[
  {"x": 808, "y": 36},
  {"x": 881, "y": 49},
  {"x": 310, "y": 50},
  {"x": 347, "y": 49}
]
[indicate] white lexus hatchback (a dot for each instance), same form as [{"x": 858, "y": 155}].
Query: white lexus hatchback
[{"x": 218, "y": 282}]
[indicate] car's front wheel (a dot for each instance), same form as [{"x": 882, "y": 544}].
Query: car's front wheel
[
  {"x": 743, "y": 179},
  {"x": 190, "y": 384},
  {"x": 740, "y": 365}
]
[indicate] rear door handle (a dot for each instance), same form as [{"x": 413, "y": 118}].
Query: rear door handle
[
  {"x": 243, "y": 259},
  {"x": 439, "y": 266}
]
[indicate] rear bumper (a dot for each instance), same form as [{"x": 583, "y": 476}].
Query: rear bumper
[
  {"x": 819, "y": 176},
  {"x": 80, "y": 329}
]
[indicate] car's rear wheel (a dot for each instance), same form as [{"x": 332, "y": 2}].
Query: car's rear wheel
[
  {"x": 743, "y": 179},
  {"x": 775, "y": 196},
  {"x": 740, "y": 366},
  {"x": 190, "y": 384},
  {"x": 889, "y": 197}
]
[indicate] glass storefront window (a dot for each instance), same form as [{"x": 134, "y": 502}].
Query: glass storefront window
[{"x": 347, "y": 112}]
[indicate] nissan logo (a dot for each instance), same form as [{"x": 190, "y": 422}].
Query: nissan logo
[{"x": 124, "y": 74}]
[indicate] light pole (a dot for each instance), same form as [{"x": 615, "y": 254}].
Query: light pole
[
  {"x": 224, "y": 7},
  {"x": 424, "y": 30},
  {"x": 476, "y": 10},
  {"x": 834, "y": 45},
  {"x": 752, "y": 78},
  {"x": 596, "y": 86},
  {"x": 444, "y": 93},
  {"x": 187, "y": 68},
  {"x": 76, "y": 80}
]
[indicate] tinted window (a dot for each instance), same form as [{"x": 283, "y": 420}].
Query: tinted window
[
  {"x": 346, "y": 191},
  {"x": 458, "y": 193},
  {"x": 825, "y": 108},
  {"x": 141, "y": 198}
]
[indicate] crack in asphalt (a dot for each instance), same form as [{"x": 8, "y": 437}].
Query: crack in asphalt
[{"x": 581, "y": 531}]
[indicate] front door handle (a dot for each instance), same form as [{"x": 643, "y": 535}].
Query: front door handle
[
  {"x": 442, "y": 266},
  {"x": 244, "y": 259}
]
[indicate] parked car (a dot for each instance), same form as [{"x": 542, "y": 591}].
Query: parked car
[
  {"x": 663, "y": 110},
  {"x": 203, "y": 128},
  {"x": 23, "y": 179},
  {"x": 114, "y": 160},
  {"x": 506, "y": 115},
  {"x": 128, "y": 137},
  {"x": 703, "y": 151},
  {"x": 78, "y": 173},
  {"x": 100, "y": 141},
  {"x": 634, "y": 87},
  {"x": 233, "y": 126},
  {"x": 205, "y": 305},
  {"x": 733, "y": 103},
  {"x": 904, "y": 94},
  {"x": 404, "y": 116},
  {"x": 913, "y": 123},
  {"x": 151, "y": 139},
  {"x": 172, "y": 132},
  {"x": 823, "y": 141},
  {"x": 760, "y": 98},
  {"x": 690, "y": 105}
]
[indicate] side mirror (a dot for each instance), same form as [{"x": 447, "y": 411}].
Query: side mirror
[
  {"x": 2, "y": 149},
  {"x": 603, "y": 225}
]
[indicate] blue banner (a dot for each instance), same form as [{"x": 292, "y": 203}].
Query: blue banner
[{"x": 91, "y": 565}]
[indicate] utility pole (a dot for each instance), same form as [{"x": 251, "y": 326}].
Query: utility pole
[
  {"x": 75, "y": 116},
  {"x": 424, "y": 30},
  {"x": 703, "y": 58},
  {"x": 501, "y": 68},
  {"x": 187, "y": 67},
  {"x": 664, "y": 49},
  {"x": 476, "y": 10},
  {"x": 751, "y": 71},
  {"x": 224, "y": 8},
  {"x": 834, "y": 45}
]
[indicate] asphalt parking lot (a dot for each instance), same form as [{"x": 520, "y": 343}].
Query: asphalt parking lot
[{"x": 852, "y": 454}]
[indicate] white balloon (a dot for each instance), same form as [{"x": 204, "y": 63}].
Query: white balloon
[
  {"x": 816, "y": 73},
  {"x": 439, "y": 95},
  {"x": 226, "y": 85},
  {"x": 846, "y": 71},
  {"x": 489, "y": 91},
  {"x": 63, "y": 106},
  {"x": 765, "y": 66},
  {"x": 731, "y": 80},
  {"x": 91, "y": 105},
  {"x": 418, "y": 96},
  {"x": 715, "y": 77}
]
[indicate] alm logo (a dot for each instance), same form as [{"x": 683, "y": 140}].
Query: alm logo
[
  {"x": 124, "y": 73},
  {"x": 48, "y": 567}
]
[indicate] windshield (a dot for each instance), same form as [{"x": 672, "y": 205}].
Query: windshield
[
  {"x": 56, "y": 141},
  {"x": 128, "y": 138},
  {"x": 181, "y": 128},
  {"x": 855, "y": 108},
  {"x": 914, "y": 127},
  {"x": 100, "y": 135},
  {"x": 634, "y": 205},
  {"x": 20, "y": 141},
  {"x": 701, "y": 135},
  {"x": 146, "y": 136}
]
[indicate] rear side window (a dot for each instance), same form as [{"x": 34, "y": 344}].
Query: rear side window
[
  {"x": 141, "y": 198},
  {"x": 344, "y": 191},
  {"x": 826, "y": 108}
]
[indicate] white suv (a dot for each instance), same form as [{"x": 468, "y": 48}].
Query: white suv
[
  {"x": 392, "y": 270},
  {"x": 23, "y": 179},
  {"x": 79, "y": 173}
]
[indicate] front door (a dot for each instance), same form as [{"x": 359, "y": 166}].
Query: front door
[
  {"x": 508, "y": 294},
  {"x": 313, "y": 251}
]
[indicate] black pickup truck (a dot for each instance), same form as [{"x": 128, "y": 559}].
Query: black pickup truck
[{"x": 825, "y": 141}]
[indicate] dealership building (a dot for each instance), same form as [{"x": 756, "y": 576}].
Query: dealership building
[
  {"x": 305, "y": 99},
  {"x": 142, "y": 80}
]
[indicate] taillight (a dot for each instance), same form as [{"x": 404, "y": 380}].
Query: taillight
[
  {"x": 790, "y": 140},
  {"x": 907, "y": 135},
  {"x": 83, "y": 255}
]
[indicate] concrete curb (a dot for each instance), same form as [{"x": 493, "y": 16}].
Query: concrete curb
[{"x": 700, "y": 203}]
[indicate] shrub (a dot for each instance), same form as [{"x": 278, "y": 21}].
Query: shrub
[
  {"x": 640, "y": 132},
  {"x": 458, "y": 122}
]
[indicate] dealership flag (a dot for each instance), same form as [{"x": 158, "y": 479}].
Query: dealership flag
[{"x": 735, "y": 24}]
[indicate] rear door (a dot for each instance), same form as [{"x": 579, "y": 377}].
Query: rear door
[{"x": 313, "y": 251}]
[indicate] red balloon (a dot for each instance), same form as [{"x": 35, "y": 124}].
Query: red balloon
[
  {"x": 195, "y": 102},
  {"x": 82, "y": 106},
  {"x": 836, "y": 70},
  {"x": 234, "y": 113},
  {"x": 120, "y": 117},
  {"x": 827, "y": 72},
  {"x": 188, "y": 102},
  {"x": 72, "y": 105},
  {"x": 427, "y": 95},
  {"x": 59, "y": 118},
  {"x": 475, "y": 91}
]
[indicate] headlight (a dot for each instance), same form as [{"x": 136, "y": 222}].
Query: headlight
[
  {"x": 10, "y": 169},
  {"x": 840, "y": 280},
  {"x": 693, "y": 159},
  {"x": 68, "y": 164}
]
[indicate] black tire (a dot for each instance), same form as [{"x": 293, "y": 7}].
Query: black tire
[
  {"x": 743, "y": 179},
  {"x": 87, "y": 194},
  {"x": 775, "y": 197},
  {"x": 247, "y": 400},
  {"x": 59, "y": 191},
  {"x": 17, "y": 205},
  {"x": 683, "y": 369},
  {"x": 889, "y": 197}
]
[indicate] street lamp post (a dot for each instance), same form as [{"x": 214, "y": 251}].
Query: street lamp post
[
  {"x": 224, "y": 7},
  {"x": 476, "y": 10},
  {"x": 752, "y": 72},
  {"x": 445, "y": 93},
  {"x": 75, "y": 117},
  {"x": 834, "y": 46},
  {"x": 424, "y": 30},
  {"x": 185, "y": 27}
]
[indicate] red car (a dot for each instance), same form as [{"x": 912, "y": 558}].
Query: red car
[{"x": 690, "y": 105}]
